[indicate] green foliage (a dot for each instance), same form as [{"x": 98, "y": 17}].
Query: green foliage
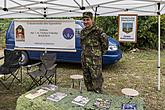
[
  {"x": 162, "y": 25},
  {"x": 109, "y": 25},
  {"x": 147, "y": 32},
  {"x": 4, "y": 23}
]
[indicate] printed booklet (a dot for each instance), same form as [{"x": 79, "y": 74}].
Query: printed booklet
[
  {"x": 129, "y": 106},
  {"x": 50, "y": 87},
  {"x": 80, "y": 100},
  {"x": 102, "y": 104},
  {"x": 35, "y": 94},
  {"x": 57, "y": 96}
]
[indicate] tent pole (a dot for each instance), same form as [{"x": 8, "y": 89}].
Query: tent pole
[
  {"x": 82, "y": 3},
  {"x": 95, "y": 15},
  {"x": 158, "y": 52},
  {"x": 4, "y": 3}
]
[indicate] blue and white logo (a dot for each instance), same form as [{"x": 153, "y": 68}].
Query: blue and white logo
[{"x": 68, "y": 33}]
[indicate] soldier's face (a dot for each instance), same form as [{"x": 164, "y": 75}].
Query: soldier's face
[{"x": 87, "y": 22}]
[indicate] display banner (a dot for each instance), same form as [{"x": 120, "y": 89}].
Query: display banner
[
  {"x": 45, "y": 34},
  {"x": 128, "y": 28}
]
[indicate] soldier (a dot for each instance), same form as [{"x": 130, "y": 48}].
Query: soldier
[{"x": 94, "y": 44}]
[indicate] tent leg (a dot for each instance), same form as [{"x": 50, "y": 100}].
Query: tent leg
[{"x": 158, "y": 52}]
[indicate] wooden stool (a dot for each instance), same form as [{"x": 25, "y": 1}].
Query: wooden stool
[
  {"x": 130, "y": 92},
  {"x": 76, "y": 77}
]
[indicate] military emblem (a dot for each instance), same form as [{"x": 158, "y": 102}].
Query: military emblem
[
  {"x": 68, "y": 33},
  {"x": 20, "y": 33},
  {"x": 127, "y": 27}
]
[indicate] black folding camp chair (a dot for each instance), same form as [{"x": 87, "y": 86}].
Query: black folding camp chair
[
  {"x": 45, "y": 72},
  {"x": 10, "y": 68}
]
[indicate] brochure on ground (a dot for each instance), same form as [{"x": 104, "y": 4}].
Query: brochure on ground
[
  {"x": 35, "y": 94},
  {"x": 81, "y": 100},
  {"x": 57, "y": 96},
  {"x": 102, "y": 104}
]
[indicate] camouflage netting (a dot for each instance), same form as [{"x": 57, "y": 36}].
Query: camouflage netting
[{"x": 41, "y": 103}]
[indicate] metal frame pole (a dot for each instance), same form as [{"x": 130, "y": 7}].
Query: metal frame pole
[{"x": 158, "y": 52}]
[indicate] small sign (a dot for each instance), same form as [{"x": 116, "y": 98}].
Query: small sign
[{"x": 128, "y": 28}]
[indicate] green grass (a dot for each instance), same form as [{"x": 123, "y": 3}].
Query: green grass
[{"x": 136, "y": 70}]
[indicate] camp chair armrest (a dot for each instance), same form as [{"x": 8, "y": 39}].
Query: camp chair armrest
[
  {"x": 52, "y": 67},
  {"x": 33, "y": 65},
  {"x": 1, "y": 57},
  {"x": 16, "y": 64}
]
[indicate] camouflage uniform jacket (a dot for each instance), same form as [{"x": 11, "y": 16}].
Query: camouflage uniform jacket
[{"x": 93, "y": 41}]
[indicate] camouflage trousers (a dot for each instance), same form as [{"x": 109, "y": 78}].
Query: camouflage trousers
[{"x": 92, "y": 71}]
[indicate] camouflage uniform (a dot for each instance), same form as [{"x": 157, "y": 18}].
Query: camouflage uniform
[{"x": 94, "y": 44}]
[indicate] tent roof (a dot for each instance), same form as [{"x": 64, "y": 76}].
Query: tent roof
[{"x": 74, "y": 8}]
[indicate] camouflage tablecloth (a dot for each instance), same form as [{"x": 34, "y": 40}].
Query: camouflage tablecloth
[{"x": 42, "y": 103}]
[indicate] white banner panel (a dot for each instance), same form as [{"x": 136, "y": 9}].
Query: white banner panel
[
  {"x": 45, "y": 33},
  {"x": 127, "y": 28}
]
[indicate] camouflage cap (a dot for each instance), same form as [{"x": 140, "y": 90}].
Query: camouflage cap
[{"x": 87, "y": 15}]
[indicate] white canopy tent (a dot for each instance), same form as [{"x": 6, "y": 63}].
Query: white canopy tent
[
  {"x": 74, "y": 8},
  {"x": 70, "y": 8}
]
